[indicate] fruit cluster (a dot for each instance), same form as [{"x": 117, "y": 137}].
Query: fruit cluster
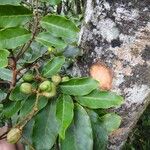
[{"x": 46, "y": 88}]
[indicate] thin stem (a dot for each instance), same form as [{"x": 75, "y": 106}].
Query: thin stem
[
  {"x": 3, "y": 138},
  {"x": 3, "y": 135},
  {"x": 34, "y": 111},
  {"x": 35, "y": 28},
  {"x": 28, "y": 143},
  {"x": 13, "y": 64}
]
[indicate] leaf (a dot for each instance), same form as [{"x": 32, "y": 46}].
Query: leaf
[
  {"x": 53, "y": 66},
  {"x": 11, "y": 38},
  {"x": 100, "y": 99},
  {"x": 4, "y": 58},
  {"x": 10, "y": 2},
  {"x": 2, "y": 95},
  {"x": 48, "y": 40},
  {"x": 11, "y": 108},
  {"x": 72, "y": 51},
  {"x": 36, "y": 51},
  {"x": 79, "y": 86},
  {"x": 59, "y": 26},
  {"x": 111, "y": 122},
  {"x": 28, "y": 105},
  {"x": 64, "y": 113},
  {"x": 5, "y": 74},
  {"x": 99, "y": 132},
  {"x": 28, "y": 130},
  {"x": 46, "y": 128},
  {"x": 79, "y": 135},
  {"x": 16, "y": 95},
  {"x": 52, "y": 2},
  {"x": 11, "y": 16}
]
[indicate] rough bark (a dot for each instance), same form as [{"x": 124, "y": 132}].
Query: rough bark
[{"x": 117, "y": 33}]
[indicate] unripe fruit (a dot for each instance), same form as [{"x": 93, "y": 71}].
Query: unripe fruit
[
  {"x": 56, "y": 79},
  {"x": 45, "y": 86},
  {"x": 64, "y": 79},
  {"x": 50, "y": 49},
  {"x": 26, "y": 88},
  {"x": 14, "y": 135},
  {"x": 28, "y": 77},
  {"x": 52, "y": 93}
]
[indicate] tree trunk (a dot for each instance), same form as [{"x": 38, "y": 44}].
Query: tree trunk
[{"x": 117, "y": 34}]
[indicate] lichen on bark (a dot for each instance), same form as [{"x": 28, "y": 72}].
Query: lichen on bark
[{"x": 117, "y": 33}]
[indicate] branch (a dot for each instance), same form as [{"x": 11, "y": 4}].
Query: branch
[
  {"x": 27, "y": 45},
  {"x": 13, "y": 64}
]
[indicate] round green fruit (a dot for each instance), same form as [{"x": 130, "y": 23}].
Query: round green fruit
[
  {"x": 51, "y": 49},
  {"x": 14, "y": 135},
  {"x": 45, "y": 86},
  {"x": 52, "y": 93},
  {"x": 64, "y": 79},
  {"x": 26, "y": 88},
  {"x": 28, "y": 77},
  {"x": 56, "y": 79}
]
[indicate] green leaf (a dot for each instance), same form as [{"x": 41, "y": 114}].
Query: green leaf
[
  {"x": 79, "y": 86},
  {"x": 16, "y": 95},
  {"x": 2, "y": 95},
  {"x": 72, "y": 51},
  {"x": 59, "y": 26},
  {"x": 111, "y": 122},
  {"x": 36, "y": 51},
  {"x": 100, "y": 99},
  {"x": 100, "y": 134},
  {"x": 11, "y": 16},
  {"x": 48, "y": 40},
  {"x": 5, "y": 74},
  {"x": 64, "y": 113},
  {"x": 79, "y": 135},
  {"x": 46, "y": 128},
  {"x": 52, "y": 2},
  {"x": 28, "y": 130},
  {"x": 10, "y": 2},
  {"x": 11, "y": 38},
  {"x": 4, "y": 58},
  {"x": 53, "y": 66},
  {"x": 11, "y": 108},
  {"x": 29, "y": 103}
]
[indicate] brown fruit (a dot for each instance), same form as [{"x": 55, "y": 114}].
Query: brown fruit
[{"x": 102, "y": 74}]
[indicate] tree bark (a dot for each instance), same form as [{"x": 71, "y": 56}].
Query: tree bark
[{"x": 117, "y": 34}]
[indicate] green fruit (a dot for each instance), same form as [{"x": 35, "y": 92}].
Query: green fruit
[
  {"x": 56, "y": 79},
  {"x": 64, "y": 79},
  {"x": 45, "y": 86},
  {"x": 14, "y": 135},
  {"x": 26, "y": 88},
  {"x": 52, "y": 93},
  {"x": 51, "y": 49},
  {"x": 28, "y": 77}
]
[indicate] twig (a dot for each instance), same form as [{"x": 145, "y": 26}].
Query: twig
[
  {"x": 13, "y": 64},
  {"x": 27, "y": 45},
  {"x": 28, "y": 143},
  {"x": 3, "y": 135},
  {"x": 34, "y": 111}
]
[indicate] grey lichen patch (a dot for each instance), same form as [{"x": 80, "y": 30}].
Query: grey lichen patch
[
  {"x": 146, "y": 53},
  {"x": 136, "y": 93},
  {"x": 107, "y": 29}
]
